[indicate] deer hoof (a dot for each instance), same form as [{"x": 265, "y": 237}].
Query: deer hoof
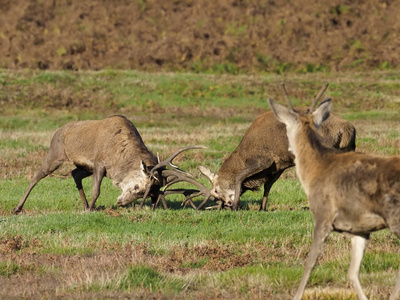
[{"x": 16, "y": 211}]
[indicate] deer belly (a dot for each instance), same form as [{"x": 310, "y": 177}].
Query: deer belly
[{"x": 363, "y": 223}]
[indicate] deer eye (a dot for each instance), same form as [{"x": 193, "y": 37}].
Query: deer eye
[
  {"x": 136, "y": 187},
  {"x": 216, "y": 191}
]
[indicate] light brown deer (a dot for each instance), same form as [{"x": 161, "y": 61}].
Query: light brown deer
[
  {"x": 262, "y": 156},
  {"x": 110, "y": 148},
  {"x": 347, "y": 192}
]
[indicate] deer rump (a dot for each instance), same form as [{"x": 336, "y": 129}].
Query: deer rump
[{"x": 263, "y": 155}]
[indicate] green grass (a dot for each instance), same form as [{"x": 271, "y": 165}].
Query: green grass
[
  {"x": 147, "y": 278},
  {"x": 8, "y": 268},
  {"x": 180, "y": 252}
]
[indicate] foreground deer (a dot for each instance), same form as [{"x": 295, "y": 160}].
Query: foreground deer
[
  {"x": 347, "y": 192},
  {"x": 262, "y": 156},
  {"x": 110, "y": 148}
]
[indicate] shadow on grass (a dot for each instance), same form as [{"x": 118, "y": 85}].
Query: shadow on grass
[{"x": 172, "y": 205}]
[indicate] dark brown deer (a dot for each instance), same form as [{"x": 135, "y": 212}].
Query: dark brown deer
[
  {"x": 262, "y": 156},
  {"x": 110, "y": 148},
  {"x": 347, "y": 192}
]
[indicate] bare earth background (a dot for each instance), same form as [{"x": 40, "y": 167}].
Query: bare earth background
[{"x": 223, "y": 36}]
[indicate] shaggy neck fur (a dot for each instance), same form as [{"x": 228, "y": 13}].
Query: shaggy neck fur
[{"x": 310, "y": 154}]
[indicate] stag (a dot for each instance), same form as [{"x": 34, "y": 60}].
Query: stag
[
  {"x": 262, "y": 156},
  {"x": 349, "y": 192},
  {"x": 110, "y": 148}
]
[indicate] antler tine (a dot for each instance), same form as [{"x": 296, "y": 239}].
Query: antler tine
[
  {"x": 319, "y": 95},
  {"x": 147, "y": 191},
  {"x": 178, "y": 177},
  {"x": 287, "y": 96},
  {"x": 168, "y": 161}
]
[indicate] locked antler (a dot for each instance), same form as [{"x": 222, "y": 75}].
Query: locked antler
[{"x": 175, "y": 175}]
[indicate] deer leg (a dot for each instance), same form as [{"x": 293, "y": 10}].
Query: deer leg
[
  {"x": 395, "y": 228},
  {"x": 78, "y": 175},
  {"x": 321, "y": 232},
  {"x": 396, "y": 290},
  {"x": 267, "y": 188},
  {"x": 98, "y": 175},
  {"x": 358, "y": 246},
  {"x": 50, "y": 164},
  {"x": 240, "y": 177}
]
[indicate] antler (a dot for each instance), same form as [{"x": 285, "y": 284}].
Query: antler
[
  {"x": 287, "y": 96},
  {"x": 170, "y": 177},
  {"x": 319, "y": 95},
  {"x": 163, "y": 164},
  {"x": 168, "y": 161},
  {"x": 174, "y": 176}
]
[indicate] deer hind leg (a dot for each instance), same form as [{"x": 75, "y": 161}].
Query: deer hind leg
[
  {"x": 394, "y": 226},
  {"x": 78, "y": 175},
  {"x": 321, "y": 232},
  {"x": 396, "y": 290},
  {"x": 358, "y": 246},
  {"x": 267, "y": 188},
  {"x": 51, "y": 163},
  {"x": 98, "y": 175}
]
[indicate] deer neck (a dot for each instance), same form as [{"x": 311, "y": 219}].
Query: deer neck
[{"x": 310, "y": 155}]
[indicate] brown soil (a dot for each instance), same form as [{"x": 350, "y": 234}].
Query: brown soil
[
  {"x": 48, "y": 276},
  {"x": 224, "y": 36}
]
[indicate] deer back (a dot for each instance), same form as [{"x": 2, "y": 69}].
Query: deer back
[
  {"x": 114, "y": 141},
  {"x": 266, "y": 143}
]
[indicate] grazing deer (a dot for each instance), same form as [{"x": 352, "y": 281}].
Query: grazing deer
[
  {"x": 262, "y": 156},
  {"x": 347, "y": 192},
  {"x": 110, "y": 148}
]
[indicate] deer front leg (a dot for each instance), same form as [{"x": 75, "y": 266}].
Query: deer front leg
[
  {"x": 321, "y": 232},
  {"x": 267, "y": 188},
  {"x": 79, "y": 175},
  {"x": 358, "y": 246},
  {"x": 98, "y": 175}
]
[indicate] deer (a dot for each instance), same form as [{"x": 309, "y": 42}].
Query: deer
[
  {"x": 353, "y": 193},
  {"x": 111, "y": 148},
  {"x": 262, "y": 156}
]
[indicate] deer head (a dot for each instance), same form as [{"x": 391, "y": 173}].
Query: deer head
[
  {"x": 221, "y": 189},
  {"x": 134, "y": 185},
  {"x": 294, "y": 119}
]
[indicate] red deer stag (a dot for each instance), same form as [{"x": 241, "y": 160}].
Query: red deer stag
[
  {"x": 110, "y": 148},
  {"x": 263, "y": 155},
  {"x": 347, "y": 192}
]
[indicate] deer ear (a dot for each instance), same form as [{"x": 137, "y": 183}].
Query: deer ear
[
  {"x": 207, "y": 172},
  {"x": 143, "y": 168},
  {"x": 322, "y": 112},
  {"x": 283, "y": 114}
]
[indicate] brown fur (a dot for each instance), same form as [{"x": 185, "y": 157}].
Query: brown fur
[
  {"x": 262, "y": 155},
  {"x": 111, "y": 147},
  {"x": 347, "y": 192}
]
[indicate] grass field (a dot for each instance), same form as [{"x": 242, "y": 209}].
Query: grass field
[{"x": 55, "y": 250}]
